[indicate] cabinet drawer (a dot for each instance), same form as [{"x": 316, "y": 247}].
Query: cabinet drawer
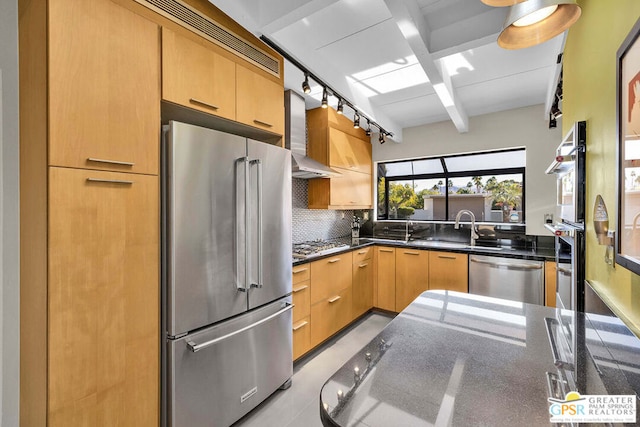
[
  {"x": 300, "y": 273},
  {"x": 301, "y": 300},
  {"x": 448, "y": 271},
  {"x": 330, "y": 315},
  {"x": 301, "y": 337},
  {"x": 329, "y": 276},
  {"x": 362, "y": 254},
  {"x": 195, "y": 76}
]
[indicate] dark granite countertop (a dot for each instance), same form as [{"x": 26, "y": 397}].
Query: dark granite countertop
[
  {"x": 541, "y": 254},
  {"x": 461, "y": 360}
]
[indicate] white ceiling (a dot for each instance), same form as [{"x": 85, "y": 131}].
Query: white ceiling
[{"x": 389, "y": 57}]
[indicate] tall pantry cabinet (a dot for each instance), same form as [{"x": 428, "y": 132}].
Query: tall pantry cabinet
[{"x": 90, "y": 125}]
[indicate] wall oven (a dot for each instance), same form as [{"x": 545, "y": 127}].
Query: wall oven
[{"x": 569, "y": 166}]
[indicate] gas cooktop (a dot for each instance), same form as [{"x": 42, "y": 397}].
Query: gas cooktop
[{"x": 316, "y": 247}]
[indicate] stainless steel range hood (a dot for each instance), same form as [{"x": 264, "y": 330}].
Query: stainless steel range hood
[{"x": 295, "y": 139}]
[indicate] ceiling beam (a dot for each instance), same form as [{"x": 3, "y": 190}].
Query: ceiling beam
[
  {"x": 409, "y": 19},
  {"x": 275, "y": 16}
]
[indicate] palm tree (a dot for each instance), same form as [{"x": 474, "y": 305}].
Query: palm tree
[{"x": 477, "y": 180}]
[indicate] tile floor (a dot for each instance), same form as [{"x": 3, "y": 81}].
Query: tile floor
[{"x": 298, "y": 406}]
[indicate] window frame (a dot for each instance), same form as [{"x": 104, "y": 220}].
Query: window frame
[{"x": 446, "y": 175}]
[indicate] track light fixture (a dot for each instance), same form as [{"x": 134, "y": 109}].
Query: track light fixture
[
  {"x": 305, "y": 84},
  {"x": 555, "y": 111},
  {"x": 368, "y": 131},
  {"x": 552, "y": 122},
  {"x": 327, "y": 90},
  {"x": 381, "y": 137}
]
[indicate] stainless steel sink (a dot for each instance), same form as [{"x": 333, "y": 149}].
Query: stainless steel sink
[{"x": 439, "y": 244}]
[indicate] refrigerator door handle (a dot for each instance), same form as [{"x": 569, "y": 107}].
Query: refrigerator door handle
[
  {"x": 197, "y": 347},
  {"x": 258, "y": 164},
  {"x": 242, "y": 287}
]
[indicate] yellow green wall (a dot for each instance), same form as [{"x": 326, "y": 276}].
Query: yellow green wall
[{"x": 589, "y": 89}]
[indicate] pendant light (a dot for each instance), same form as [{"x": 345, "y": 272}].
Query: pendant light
[
  {"x": 501, "y": 3},
  {"x": 535, "y": 21}
]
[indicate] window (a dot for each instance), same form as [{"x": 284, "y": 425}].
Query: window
[{"x": 489, "y": 184}]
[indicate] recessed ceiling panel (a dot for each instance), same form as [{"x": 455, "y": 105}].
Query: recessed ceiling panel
[{"x": 413, "y": 111}]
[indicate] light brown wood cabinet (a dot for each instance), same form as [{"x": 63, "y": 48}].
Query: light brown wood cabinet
[
  {"x": 448, "y": 271},
  {"x": 385, "y": 280},
  {"x": 329, "y": 276},
  {"x": 362, "y": 285},
  {"x": 331, "y": 296},
  {"x": 90, "y": 128},
  {"x": 259, "y": 101},
  {"x": 550, "y": 283},
  {"x": 329, "y": 315},
  {"x": 412, "y": 276},
  {"x": 195, "y": 76},
  {"x": 334, "y": 142},
  {"x": 103, "y": 297},
  {"x": 104, "y": 79},
  {"x": 301, "y": 296}
]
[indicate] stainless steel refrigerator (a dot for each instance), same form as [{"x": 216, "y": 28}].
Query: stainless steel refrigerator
[{"x": 226, "y": 279}]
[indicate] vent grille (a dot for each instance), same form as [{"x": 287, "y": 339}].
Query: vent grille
[{"x": 193, "y": 20}]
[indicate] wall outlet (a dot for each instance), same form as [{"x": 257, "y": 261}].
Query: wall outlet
[{"x": 365, "y": 215}]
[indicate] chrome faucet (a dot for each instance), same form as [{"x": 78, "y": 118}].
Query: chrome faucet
[
  {"x": 474, "y": 235},
  {"x": 406, "y": 233}
]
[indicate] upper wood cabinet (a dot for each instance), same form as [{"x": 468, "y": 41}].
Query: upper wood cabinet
[
  {"x": 412, "y": 275},
  {"x": 194, "y": 75},
  {"x": 104, "y": 80},
  {"x": 448, "y": 271},
  {"x": 259, "y": 101},
  {"x": 103, "y": 299},
  {"x": 334, "y": 142}
]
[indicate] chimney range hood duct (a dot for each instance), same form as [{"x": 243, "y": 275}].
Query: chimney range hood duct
[{"x": 296, "y": 140}]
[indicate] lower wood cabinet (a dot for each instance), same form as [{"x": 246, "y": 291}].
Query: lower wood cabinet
[
  {"x": 301, "y": 298},
  {"x": 103, "y": 299},
  {"x": 301, "y": 337},
  {"x": 449, "y": 271},
  {"x": 385, "y": 280},
  {"x": 329, "y": 276},
  {"x": 330, "y": 315},
  {"x": 550, "y": 283},
  {"x": 412, "y": 276},
  {"x": 362, "y": 287}
]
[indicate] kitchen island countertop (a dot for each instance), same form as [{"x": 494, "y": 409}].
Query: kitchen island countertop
[{"x": 458, "y": 359}]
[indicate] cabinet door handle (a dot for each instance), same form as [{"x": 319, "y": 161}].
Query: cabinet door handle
[
  {"x": 334, "y": 299},
  {"x": 261, "y": 123},
  {"x": 111, "y": 162},
  {"x": 334, "y": 260},
  {"x": 301, "y": 288},
  {"x": 362, "y": 252},
  {"x": 110, "y": 181},
  {"x": 385, "y": 250},
  {"x": 300, "y": 325},
  {"x": 204, "y": 104},
  {"x": 412, "y": 253},
  {"x": 300, "y": 270},
  {"x": 446, "y": 257},
  {"x": 362, "y": 265}
]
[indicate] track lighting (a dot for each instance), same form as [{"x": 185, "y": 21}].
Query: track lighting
[
  {"x": 381, "y": 137},
  {"x": 356, "y": 120},
  {"x": 305, "y": 84},
  {"x": 555, "y": 111},
  {"x": 324, "y": 98},
  {"x": 552, "y": 122},
  {"x": 368, "y": 131},
  {"x": 340, "y": 109}
]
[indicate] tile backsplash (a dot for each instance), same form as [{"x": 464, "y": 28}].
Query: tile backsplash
[{"x": 312, "y": 224}]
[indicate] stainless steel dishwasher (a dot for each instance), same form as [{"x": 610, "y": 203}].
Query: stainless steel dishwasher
[{"x": 509, "y": 278}]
